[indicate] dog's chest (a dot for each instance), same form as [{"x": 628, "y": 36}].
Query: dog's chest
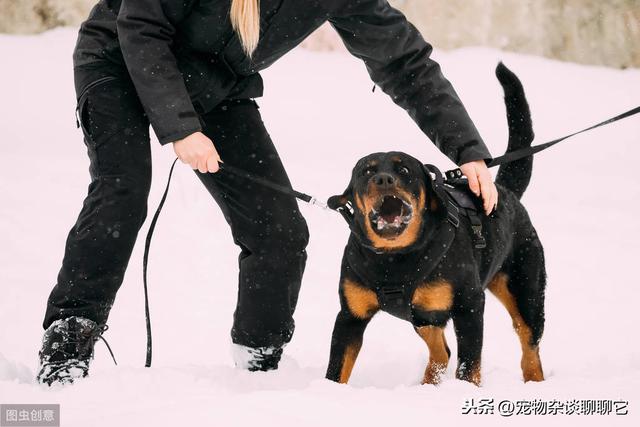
[
  {"x": 395, "y": 276},
  {"x": 394, "y": 280},
  {"x": 395, "y": 299}
]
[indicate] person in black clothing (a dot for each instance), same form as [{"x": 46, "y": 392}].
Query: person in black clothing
[{"x": 190, "y": 68}]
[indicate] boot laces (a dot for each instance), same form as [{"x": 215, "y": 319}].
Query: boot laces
[{"x": 77, "y": 338}]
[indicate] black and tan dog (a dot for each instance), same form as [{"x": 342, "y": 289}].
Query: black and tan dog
[{"x": 415, "y": 254}]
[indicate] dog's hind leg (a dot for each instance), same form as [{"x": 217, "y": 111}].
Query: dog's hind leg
[
  {"x": 438, "y": 352},
  {"x": 358, "y": 307},
  {"x": 522, "y": 294}
]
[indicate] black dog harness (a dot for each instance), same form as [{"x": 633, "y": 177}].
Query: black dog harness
[{"x": 459, "y": 203}]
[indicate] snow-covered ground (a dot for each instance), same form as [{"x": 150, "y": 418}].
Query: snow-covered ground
[{"x": 319, "y": 108}]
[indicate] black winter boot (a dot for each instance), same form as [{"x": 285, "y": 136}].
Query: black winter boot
[{"x": 67, "y": 350}]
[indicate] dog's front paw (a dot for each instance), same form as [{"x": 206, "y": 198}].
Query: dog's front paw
[
  {"x": 433, "y": 374},
  {"x": 469, "y": 374}
]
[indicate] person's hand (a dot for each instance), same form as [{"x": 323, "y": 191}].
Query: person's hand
[
  {"x": 198, "y": 151},
  {"x": 481, "y": 183}
]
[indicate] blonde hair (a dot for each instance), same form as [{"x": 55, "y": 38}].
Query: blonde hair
[{"x": 245, "y": 19}]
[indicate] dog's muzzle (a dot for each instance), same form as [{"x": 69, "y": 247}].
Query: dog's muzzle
[{"x": 390, "y": 214}]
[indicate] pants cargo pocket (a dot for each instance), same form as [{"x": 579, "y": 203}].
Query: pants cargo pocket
[{"x": 82, "y": 116}]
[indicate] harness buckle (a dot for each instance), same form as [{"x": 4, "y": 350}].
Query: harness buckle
[
  {"x": 392, "y": 296},
  {"x": 452, "y": 216},
  {"x": 453, "y": 174},
  {"x": 478, "y": 239},
  {"x": 346, "y": 210}
]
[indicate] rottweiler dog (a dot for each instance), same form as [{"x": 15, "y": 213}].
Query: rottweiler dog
[{"x": 406, "y": 256}]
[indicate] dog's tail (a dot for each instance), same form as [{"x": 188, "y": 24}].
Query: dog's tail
[{"x": 516, "y": 175}]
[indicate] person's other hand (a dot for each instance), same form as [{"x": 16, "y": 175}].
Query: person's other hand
[
  {"x": 198, "y": 151},
  {"x": 481, "y": 183}
]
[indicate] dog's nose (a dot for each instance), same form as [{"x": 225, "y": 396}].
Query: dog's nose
[{"x": 384, "y": 180}]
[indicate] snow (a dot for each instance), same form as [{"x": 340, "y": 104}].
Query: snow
[{"x": 320, "y": 112}]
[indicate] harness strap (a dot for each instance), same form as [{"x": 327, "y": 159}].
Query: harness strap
[
  {"x": 450, "y": 205},
  {"x": 394, "y": 297},
  {"x": 479, "y": 242}
]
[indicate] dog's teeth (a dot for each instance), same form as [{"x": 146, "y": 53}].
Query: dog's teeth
[
  {"x": 381, "y": 223},
  {"x": 396, "y": 222}
]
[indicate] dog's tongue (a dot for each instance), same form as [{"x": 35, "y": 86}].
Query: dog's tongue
[
  {"x": 390, "y": 218},
  {"x": 391, "y": 209}
]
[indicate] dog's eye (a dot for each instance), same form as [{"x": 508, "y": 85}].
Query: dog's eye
[
  {"x": 404, "y": 170},
  {"x": 368, "y": 172}
]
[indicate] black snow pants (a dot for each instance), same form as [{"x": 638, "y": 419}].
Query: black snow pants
[{"x": 267, "y": 226}]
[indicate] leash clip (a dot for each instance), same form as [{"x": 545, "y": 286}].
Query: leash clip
[{"x": 318, "y": 203}]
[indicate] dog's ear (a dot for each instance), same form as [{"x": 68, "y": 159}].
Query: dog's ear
[
  {"x": 341, "y": 200},
  {"x": 433, "y": 183}
]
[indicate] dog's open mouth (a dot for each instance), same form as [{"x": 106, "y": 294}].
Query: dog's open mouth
[{"x": 390, "y": 215}]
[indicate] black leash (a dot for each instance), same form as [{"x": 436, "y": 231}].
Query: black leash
[
  {"x": 270, "y": 184},
  {"x": 347, "y": 213},
  {"x": 145, "y": 261},
  {"x": 528, "y": 151}
]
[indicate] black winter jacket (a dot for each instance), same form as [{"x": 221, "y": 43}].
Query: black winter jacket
[{"x": 184, "y": 58}]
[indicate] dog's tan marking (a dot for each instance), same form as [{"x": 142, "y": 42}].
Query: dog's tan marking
[
  {"x": 433, "y": 204},
  {"x": 530, "y": 363},
  {"x": 371, "y": 164},
  {"x": 437, "y": 295},
  {"x": 438, "y": 357},
  {"x": 362, "y": 302},
  {"x": 348, "y": 361},
  {"x": 408, "y": 236}
]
